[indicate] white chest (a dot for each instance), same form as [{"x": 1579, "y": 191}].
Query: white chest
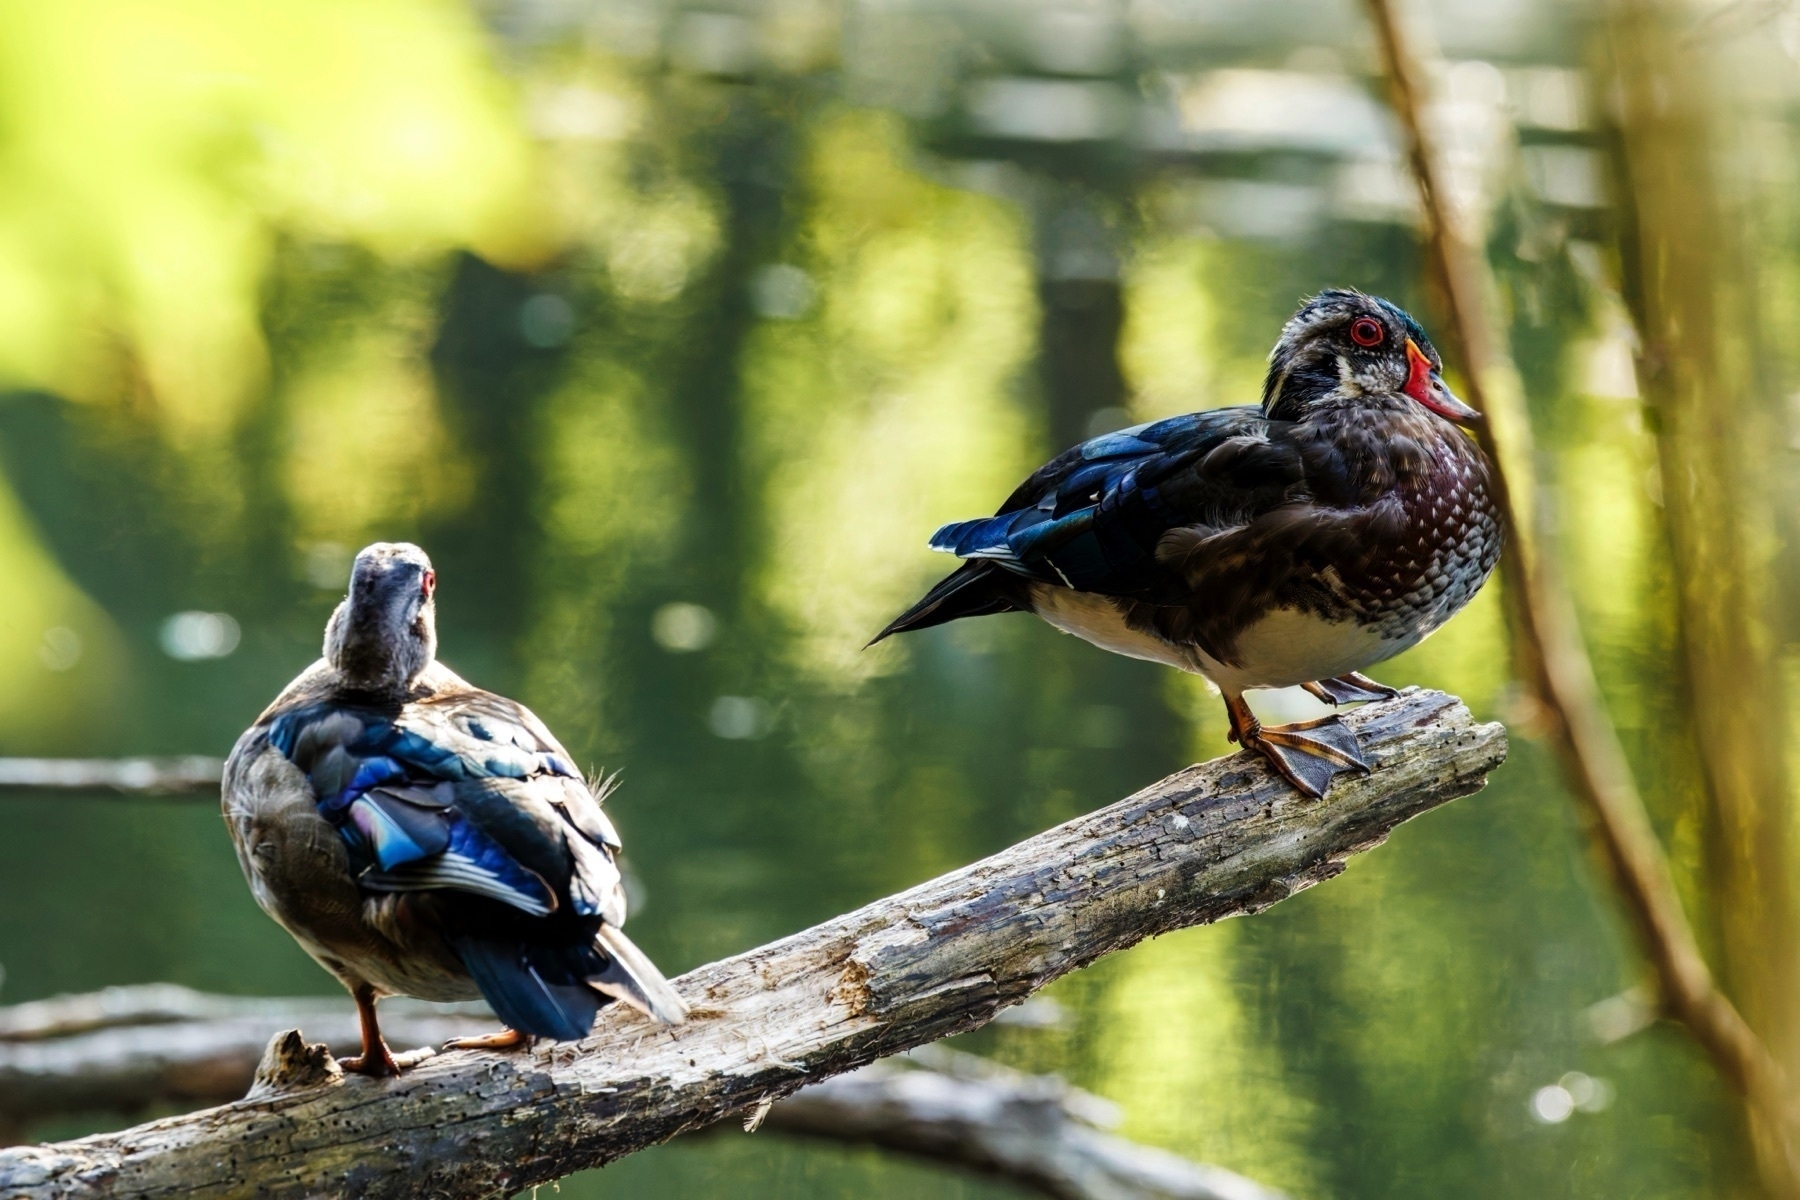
[
  {"x": 1098, "y": 620},
  {"x": 1284, "y": 648},
  {"x": 1288, "y": 647}
]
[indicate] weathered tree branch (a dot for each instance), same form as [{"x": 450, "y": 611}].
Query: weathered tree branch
[
  {"x": 1552, "y": 658},
  {"x": 1214, "y": 841},
  {"x": 124, "y": 1048},
  {"x": 1030, "y": 1129},
  {"x": 188, "y": 773}
]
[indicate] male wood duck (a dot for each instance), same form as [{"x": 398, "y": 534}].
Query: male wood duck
[
  {"x": 1296, "y": 542},
  {"x": 421, "y": 837}
]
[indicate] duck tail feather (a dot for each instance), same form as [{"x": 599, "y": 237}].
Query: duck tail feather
[
  {"x": 975, "y": 589},
  {"x": 630, "y": 976},
  {"x": 522, "y": 996}
]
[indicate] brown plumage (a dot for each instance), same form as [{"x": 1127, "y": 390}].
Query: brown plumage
[{"x": 420, "y": 836}]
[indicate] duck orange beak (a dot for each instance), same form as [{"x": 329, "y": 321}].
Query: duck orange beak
[{"x": 1425, "y": 385}]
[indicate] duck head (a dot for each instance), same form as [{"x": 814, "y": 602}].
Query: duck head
[
  {"x": 384, "y": 634},
  {"x": 1347, "y": 349}
]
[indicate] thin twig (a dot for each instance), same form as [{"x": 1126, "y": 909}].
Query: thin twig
[
  {"x": 155, "y": 776},
  {"x": 1548, "y": 645}
]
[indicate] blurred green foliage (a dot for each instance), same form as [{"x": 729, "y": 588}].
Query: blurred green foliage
[{"x": 672, "y": 374}]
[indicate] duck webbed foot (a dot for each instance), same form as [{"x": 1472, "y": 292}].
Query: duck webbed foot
[
  {"x": 1351, "y": 688},
  {"x": 385, "y": 1064},
  {"x": 506, "y": 1039},
  {"x": 1308, "y": 754},
  {"x": 375, "y": 1060},
  {"x": 379, "y": 1065}
]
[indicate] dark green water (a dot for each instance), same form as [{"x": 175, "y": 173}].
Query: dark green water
[{"x": 651, "y": 417}]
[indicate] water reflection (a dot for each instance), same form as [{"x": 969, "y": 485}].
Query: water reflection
[{"x": 671, "y": 334}]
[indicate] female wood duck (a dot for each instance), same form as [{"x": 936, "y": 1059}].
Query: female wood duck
[
  {"x": 421, "y": 837},
  {"x": 1298, "y": 542}
]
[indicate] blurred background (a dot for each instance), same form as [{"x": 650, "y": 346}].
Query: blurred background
[{"x": 672, "y": 331}]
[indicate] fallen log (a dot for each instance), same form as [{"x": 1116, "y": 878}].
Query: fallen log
[{"x": 1217, "y": 840}]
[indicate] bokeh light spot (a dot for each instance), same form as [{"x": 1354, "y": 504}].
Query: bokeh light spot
[
  {"x": 193, "y": 636},
  {"x": 60, "y": 648},
  {"x": 781, "y": 292},
  {"x": 682, "y": 628},
  {"x": 740, "y": 718},
  {"x": 1552, "y": 1105},
  {"x": 546, "y": 321}
]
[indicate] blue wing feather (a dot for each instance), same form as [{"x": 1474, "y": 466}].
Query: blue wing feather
[
  {"x": 1091, "y": 518},
  {"x": 397, "y": 830},
  {"x": 367, "y": 768},
  {"x": 1123, "y": 443},
  {"x": 464, "y": 797}
]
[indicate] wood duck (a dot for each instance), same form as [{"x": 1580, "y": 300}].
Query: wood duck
[
  {"x": 1296, "y": 542},
  {"x": 421, "y": 837}
]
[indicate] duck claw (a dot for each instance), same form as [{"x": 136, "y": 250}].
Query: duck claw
[
  {"x": 1309, "y": 754},
  {"x": 1351, "y": 688}
]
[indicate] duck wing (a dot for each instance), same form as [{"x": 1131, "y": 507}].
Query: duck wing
[
  {"x": 1092, "y": 518},
  {"x": 465, "y": 798}
]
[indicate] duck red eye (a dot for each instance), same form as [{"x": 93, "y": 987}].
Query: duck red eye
[
  {"x": 428, "y": 583},
  {"x": 1366, "y": 331}
]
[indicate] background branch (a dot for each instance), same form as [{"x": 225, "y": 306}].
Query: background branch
[
  {"x": 1697, "y": 304},
  {"x": 187, "y": 773},
  {"x": 1551, "y": 655},
  {"x": 126, "y": 1048},
  {"x": 1035, "y": 1130},
  {"x": 1216, "y": 840}
]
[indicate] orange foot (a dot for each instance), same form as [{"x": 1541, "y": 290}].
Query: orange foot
[
  {"x": 1350, "y": 688},
  {"x": 1309, "y": 754},
  {"x": 506, "y": 1039},
  {"x": 376, "y": 1063}
]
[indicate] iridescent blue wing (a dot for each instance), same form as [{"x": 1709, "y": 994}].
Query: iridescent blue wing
[
  {"x": 466, "y": 792},
  {"x": 1092, "y": 518},
  {"x": 465, "y": 797}
]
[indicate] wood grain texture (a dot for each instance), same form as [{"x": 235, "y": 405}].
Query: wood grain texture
[{"x": 1217, "y": 840}]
